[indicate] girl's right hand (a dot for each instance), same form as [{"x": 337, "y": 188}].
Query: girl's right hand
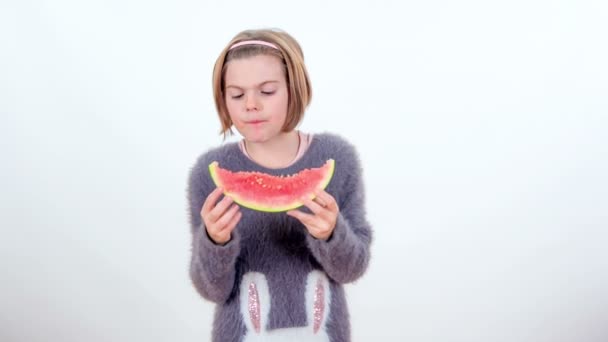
[{"x": 221, "y": 218}]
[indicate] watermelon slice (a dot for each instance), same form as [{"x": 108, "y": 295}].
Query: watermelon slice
[{"x": 264, "y": 192}]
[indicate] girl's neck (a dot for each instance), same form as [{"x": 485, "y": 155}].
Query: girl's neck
[{"x": 277, "y": 152}]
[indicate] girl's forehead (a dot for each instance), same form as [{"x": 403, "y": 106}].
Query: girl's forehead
[{"x": 256, "y": 69}]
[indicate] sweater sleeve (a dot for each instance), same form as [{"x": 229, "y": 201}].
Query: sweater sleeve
[
  {"x": 345, "y": 255},
  {"x": 212, "y": 267}
]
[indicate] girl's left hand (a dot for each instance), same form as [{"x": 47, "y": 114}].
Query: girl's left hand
[{"x": 322, "y": 222}]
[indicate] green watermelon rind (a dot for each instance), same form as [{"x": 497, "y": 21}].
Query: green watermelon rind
[{"x": 256, "y": 206}]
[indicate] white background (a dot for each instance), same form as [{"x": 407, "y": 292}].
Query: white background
[{"x": 482, "y": 127}]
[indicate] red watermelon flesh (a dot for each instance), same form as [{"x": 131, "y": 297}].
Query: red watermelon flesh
[{"x": 265, "y": 192}]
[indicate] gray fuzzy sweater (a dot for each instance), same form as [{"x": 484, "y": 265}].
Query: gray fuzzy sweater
[{"x": 273, "y": 281}]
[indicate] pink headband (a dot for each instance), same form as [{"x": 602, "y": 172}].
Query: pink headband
[{"x": 253, "y": 42}]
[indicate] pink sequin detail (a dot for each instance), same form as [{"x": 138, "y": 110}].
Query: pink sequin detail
[
  {"x": 254, "y": 307},
  {"x": 319, "y": 306}
]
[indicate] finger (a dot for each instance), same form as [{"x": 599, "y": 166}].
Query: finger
[
  {"x": 327, "y": 199},
  {"x": 311, "y": 223},
  {"x": 323, "y": 216},
  {"x": 306, "y": 219},
  {"x": 219, "y": 210},
  {"x": 313, "y": 206},
  {"x": 233, "y": 222},
  {"x": 223, "y": 221},
  {"x": 319, "y": 201},
  {"x": 211, "y": 200}
]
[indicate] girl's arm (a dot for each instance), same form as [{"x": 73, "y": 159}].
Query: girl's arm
[
  {"x": 212, "y": 266},
  {"x": 345, "y": 255}
]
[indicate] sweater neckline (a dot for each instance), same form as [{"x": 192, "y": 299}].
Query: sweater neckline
[{"x": 252, "y": 165}]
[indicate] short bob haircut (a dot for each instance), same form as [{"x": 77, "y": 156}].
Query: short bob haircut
[{"x": 290, "y": 52}]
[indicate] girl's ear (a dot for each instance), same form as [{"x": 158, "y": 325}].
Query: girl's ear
[
  {"x": 255, "y": 301},
  {"x": 318, "y": 298}
]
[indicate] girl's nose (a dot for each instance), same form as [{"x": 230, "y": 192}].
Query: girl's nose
[{"x": 251, "y": 103}]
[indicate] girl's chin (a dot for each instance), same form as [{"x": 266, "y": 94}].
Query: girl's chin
[
  {"x": 254, "y": 138},
  {"x": 259, "y": 136}
]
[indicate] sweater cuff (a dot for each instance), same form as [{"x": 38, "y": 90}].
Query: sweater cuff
[
  {"x": 218, "y": 259},
  {"x": 339, "y": 244}
]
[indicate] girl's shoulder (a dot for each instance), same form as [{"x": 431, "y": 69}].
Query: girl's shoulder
[
  {"x": 332, "y": 140},
  {"x": 217, "y": 153},
  {"x": 337, "y": 147}
]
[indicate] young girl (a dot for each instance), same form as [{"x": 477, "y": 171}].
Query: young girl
[{"x": 275, "y": 276}]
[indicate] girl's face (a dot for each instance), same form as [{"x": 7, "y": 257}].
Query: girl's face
[{"x": 256, "y": 96}]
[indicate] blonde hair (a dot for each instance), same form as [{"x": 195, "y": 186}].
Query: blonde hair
[{"x": 289, "y": 52}]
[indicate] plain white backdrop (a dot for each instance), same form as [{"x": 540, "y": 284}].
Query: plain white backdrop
[{"x": 482, "y": 127}]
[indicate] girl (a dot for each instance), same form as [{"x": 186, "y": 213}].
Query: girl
[{"x": 275, "y": 276}]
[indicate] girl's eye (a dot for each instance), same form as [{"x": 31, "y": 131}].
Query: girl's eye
[
  {"x": 268, "y": 92},
  {"x": 237, "y": 96}
]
